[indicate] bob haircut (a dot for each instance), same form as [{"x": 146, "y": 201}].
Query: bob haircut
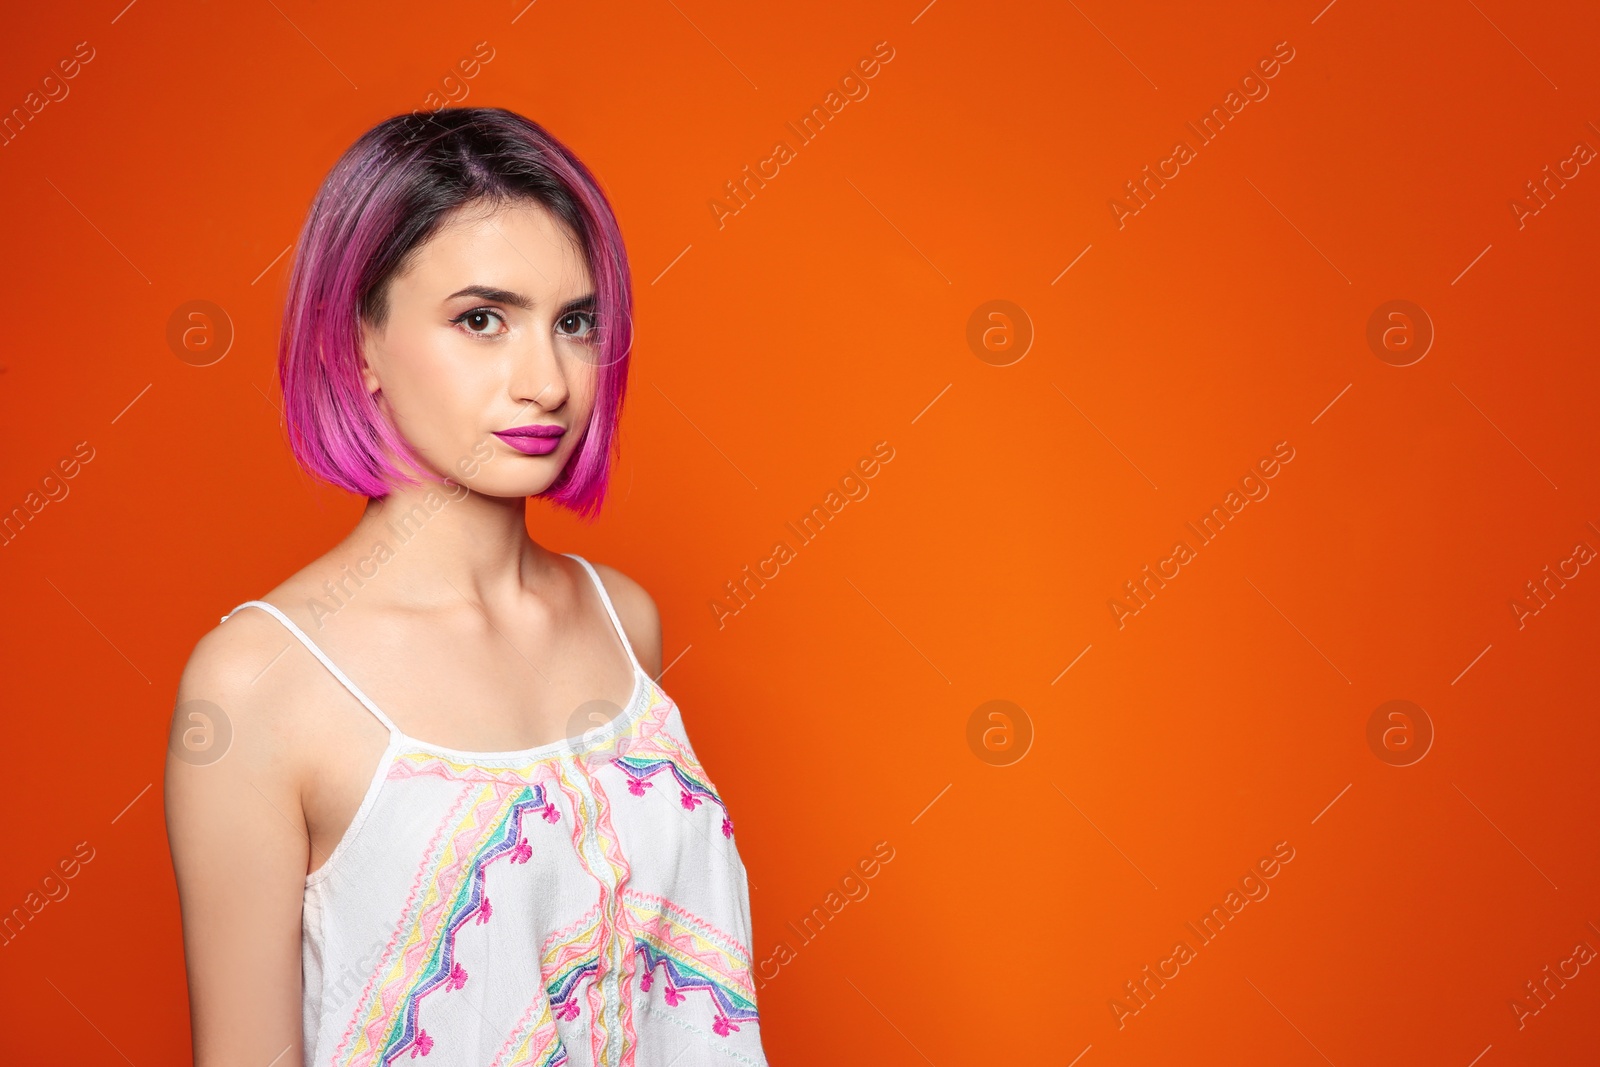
[{"x": 387, "y": 195}]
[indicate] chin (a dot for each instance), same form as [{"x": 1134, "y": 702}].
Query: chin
[{"x": 515, "y": 489}]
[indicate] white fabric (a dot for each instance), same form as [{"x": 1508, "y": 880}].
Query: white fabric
[{"x": 581, "y": 902}]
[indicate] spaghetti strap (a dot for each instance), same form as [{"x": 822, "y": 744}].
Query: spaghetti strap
[
  {"x": 394, "y": 731},
  {"x": 605, "y": 598}
]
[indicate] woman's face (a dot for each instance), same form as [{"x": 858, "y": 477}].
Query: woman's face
[{"x": 487, "y": 362}]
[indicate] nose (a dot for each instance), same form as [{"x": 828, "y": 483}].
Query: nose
[{"x": 537, "y": 377}]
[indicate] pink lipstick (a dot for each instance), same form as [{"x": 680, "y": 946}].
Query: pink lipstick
[{"x": 532, "y": 440}]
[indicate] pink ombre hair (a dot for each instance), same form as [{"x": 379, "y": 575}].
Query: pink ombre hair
[{"x": 382, "y": 200}]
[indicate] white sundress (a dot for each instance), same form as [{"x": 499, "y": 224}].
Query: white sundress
[{"x": 578, "y": 903}]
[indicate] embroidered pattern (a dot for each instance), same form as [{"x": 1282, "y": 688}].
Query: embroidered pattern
[
  {"x": 693, "y": 954},
  {"x": 659, "y": 752},
  {"x": 503, "y": 814},
  {"x": 534, "y": 1042},
  {"x": 491, "y": 830}
]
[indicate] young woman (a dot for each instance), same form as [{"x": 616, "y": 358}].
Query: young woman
[{"x": 425, "y": 798}]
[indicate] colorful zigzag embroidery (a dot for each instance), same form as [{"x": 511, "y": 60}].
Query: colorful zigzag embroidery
[
  {"x": 469, "y": 904},
  {"x": 692, "y": 792}
]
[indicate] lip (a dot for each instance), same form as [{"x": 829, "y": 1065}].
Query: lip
[{"x": 532, "y": 440}]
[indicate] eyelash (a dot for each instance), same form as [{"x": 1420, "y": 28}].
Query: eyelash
[
  {"x": 593, "y": 320},
  {"x": 465, "y": 315},
  {"x": 594, "y": 324}
]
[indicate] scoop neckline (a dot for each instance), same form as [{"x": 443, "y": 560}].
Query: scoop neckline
[{"x": 574, "y": 746}]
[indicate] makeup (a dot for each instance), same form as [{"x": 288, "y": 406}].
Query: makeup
[{"x": 532, "y": 440}]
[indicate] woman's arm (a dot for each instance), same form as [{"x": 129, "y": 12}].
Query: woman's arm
[{"x": 239, "y": 850}]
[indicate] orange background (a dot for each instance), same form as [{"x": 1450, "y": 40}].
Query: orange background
[{"x": 829, "y": 314}]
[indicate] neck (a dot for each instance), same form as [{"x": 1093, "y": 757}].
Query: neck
[{"x": 434, "y": 545}]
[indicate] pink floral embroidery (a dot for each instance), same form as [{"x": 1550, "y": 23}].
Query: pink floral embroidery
[
  {"x": 569, "y": 1010},
  {"x": 727, "y": 827},
  {"x": 484, "y": 911},
  {"x": 644, "y": 983},
  {"x": 637, "y": 787},
  {"x": 674, "y": 998},
  {"x": 424, "y": 1044},
  {"x": 723, "y": 1025},
  {"x": 550, "y": 813},
  {"x": 690, "y": 802},
  {"x": 521, "y": 853},
  {"x": 458, "y": 977}
]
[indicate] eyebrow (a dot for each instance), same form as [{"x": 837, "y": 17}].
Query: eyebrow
[{"x": 506, "y": 296}]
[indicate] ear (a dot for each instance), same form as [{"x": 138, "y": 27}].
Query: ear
[{"x": 369, "y": 377}]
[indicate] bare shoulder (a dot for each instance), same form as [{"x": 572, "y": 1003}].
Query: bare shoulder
[
  {"x": 233, "y": 811},
  {"x": 640, "y": 618},
  {"x": 225, "y": 700},
  {"x": 222, "y": 655}
]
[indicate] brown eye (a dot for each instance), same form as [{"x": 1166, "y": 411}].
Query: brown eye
[
  {"x": 580, "y": 325},
  {"x": 478, "y": 320}
]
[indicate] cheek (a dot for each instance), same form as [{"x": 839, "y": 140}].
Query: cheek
[
  {"x": 583, "y": 390},
  {"x": 436, "y": 395}
]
